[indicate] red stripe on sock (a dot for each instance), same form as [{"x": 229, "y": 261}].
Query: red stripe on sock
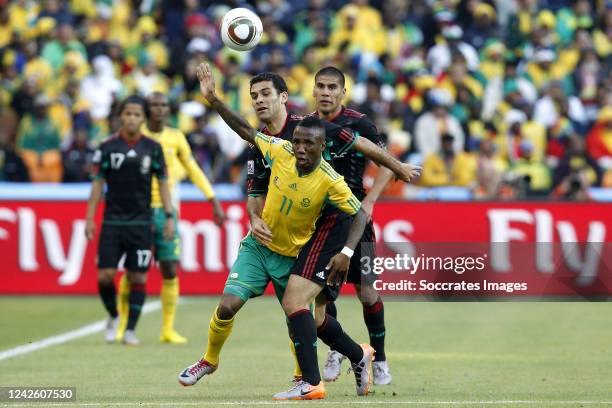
[
  {"x": 375, "y": 308},
  {"x": 299, "y": 312},
  {"x": 322, "y": 326}
]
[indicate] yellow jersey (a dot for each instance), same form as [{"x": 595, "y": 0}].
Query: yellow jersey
[
  {"x": 294, "y": 202},
  {"x": 178, "y": 157}
]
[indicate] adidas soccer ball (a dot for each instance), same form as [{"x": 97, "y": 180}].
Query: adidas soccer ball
[{"x": 241, "y": 29}]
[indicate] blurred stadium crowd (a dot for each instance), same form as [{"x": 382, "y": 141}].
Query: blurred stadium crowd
[{"x": 508, "y": 98}]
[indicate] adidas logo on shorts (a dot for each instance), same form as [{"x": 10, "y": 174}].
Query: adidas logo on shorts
[{"x": 321, "y": 275}]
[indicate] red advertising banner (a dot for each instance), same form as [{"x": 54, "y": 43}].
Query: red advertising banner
[{"x": 44, "y": 250}]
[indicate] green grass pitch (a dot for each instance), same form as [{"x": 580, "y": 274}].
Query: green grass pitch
[{"x": 440, "y": 353}]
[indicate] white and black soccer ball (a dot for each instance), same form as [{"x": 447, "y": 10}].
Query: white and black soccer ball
[{"x": 241, "y": 29}]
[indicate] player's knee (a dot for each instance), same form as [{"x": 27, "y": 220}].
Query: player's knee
[
  {"x": 367, "y": 294},
  {"x": 289, "y": 305},
  {"x": 106, "y": 276},
  {"x": 137, "y": 278},
  {"x": 168, "y": 269},
  {"x": 228, "y": 307},
  {"x": 319, "y": 314}
]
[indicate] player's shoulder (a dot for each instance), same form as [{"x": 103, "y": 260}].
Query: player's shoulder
[
  {"x": 328, "y": 172},
  {"x": 352, "y": 113},
  {"x": 357, "y": 117},
  {"x": 174, "y": 132},
  {"x": 357, "y": 121},
  {"x": 109, "y": 141},
  {"x": 151, "y": 143}
]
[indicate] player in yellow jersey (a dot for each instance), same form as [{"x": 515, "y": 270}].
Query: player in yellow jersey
[
  {"x": 301, "y": 184},
  {"x": 179, "y": 160}
]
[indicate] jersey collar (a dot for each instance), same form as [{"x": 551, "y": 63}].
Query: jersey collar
[
  {"x": 340, "y": 112},
  {"x": 267, "y": 132},
  {"x": 130, "y": 143}
]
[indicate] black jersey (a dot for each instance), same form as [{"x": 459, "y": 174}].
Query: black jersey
[
  {"x": 350, "y": 163},
  {"x": 128, "y": 169},
  {"x": 258, "y": 172}
]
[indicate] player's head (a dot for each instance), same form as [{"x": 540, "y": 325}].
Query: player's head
[
  {"x": 329, "y": 90},
  {"x": 132, "y": 112},
  {"x": 159, "y": 107},
  {"x": 308, "y": 142},
  {"x": 269, "y": 95}
]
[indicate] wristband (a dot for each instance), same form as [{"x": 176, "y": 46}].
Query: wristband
[
  {"x": 347, "y": 251},
  {"x": 168, "y": 215}
]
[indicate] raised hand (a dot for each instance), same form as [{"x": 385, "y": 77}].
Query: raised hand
[
  {"x": 409, "y": 172},
  {"x": 207, "y": 82}
]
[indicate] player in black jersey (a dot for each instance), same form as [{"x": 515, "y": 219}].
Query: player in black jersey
[
  {"x": 126, "y": 162},
  {"x": 269, "y": 96},
  {"x": 329, "y": 92}
]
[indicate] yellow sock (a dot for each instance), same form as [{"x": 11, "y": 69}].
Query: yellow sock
[
  {"x": 218, "y": 331},
  {"x": 123, "y": 306},
  {"x": 169, "y": 298},
  {"x": 297, "y": 371}
]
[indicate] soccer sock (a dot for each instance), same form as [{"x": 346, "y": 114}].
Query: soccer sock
[
  {"x": 297, "y": 371},
  {"x": 136, "y": 299},
  {"x": 331, "y": 310},
  {"x": 304, "y": 331},
  {"x": 109, "y": 297},
  {"x": 218, "y": 331},
  {"x": 374, "y": 318},
  {"x": 332, "y": 334},
  {"x": 124, "y": 304},
  {"x": 169, "y": 299}
]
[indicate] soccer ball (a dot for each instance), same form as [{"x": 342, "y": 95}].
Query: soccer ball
[{"x": 241, "y": 29}]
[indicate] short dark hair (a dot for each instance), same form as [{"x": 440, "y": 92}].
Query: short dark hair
[
  {"x": 277, "y": 81},
  {"x": 312, "y": 122},
  {"x": 135, "y": 100},
  {"x": 331, "y": 71}
]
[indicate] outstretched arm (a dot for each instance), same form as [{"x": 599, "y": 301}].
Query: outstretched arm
[
  {"x": 233, "y": 120},
  {"x": 404, "y": 171}
]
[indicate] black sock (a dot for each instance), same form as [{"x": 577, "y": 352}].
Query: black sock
[
  {"x": 374, "y": 317},
  {"x": 332, "y": 334},
  {"x": 331, "y": 310},
  {"x": 304, "y": 331},
  {"x": 136, "y": 300},
  {"x": 109, "y": 297}
]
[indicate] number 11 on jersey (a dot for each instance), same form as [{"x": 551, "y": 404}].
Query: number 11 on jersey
[{"x": 288, "y": 202}]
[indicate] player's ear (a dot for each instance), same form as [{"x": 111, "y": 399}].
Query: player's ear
[{"x": 284, "y": 96}]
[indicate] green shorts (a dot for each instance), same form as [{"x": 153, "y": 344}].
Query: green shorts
[
  {"x": 254, "y": 268},
  {"x": 165, "y": 250}
]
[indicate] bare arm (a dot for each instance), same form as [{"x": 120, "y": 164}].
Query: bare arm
[
  {"x": 164, "y": 191},
  {"x": 92, "y": 205},
  {"x": 260, "y": 229},
  {"x": 403, "y": 171},
  {"x": 255, "y": 206},
  {"x": 380, "y": 183},
  {"x": 356, "y": 230},
  {"x": 233, "y": 120}
]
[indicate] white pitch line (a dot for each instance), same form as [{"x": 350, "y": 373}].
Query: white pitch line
[
  {"x": 273, "y": 403},
  {"x": 68, "y": 336}
]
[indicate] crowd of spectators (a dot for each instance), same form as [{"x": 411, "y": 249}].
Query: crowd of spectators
[{"x": 508, "y": 98}]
